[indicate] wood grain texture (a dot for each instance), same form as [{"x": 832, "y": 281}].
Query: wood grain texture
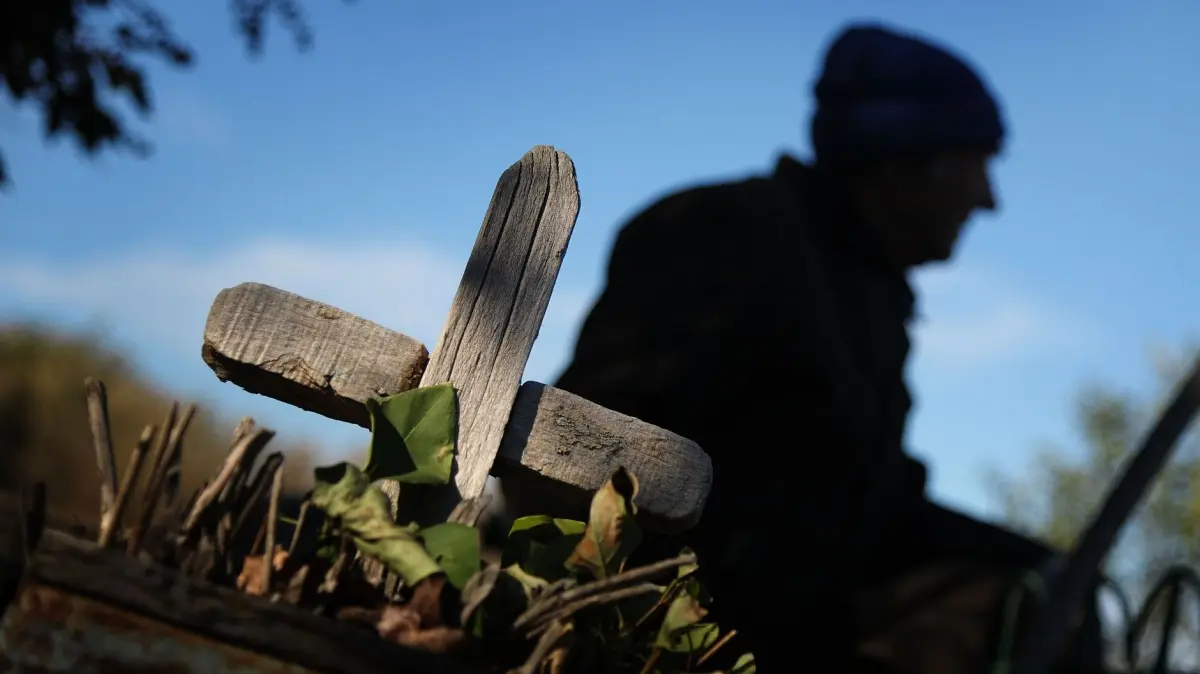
[
  {"x": 254, "y": 623},
  {"x": 497, "y": 312},
  {"x": 49, "y": 630},
  {"x": 305, "y": 353},
  {"x": 558, "y": 437}
]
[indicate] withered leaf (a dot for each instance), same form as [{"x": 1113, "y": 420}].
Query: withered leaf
[
  {"x": 362, "y": 510},
  {"x": 611, "y": 532},
  {"x": 250, "y": 579}
]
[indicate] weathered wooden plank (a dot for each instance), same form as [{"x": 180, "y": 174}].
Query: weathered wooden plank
[
  {"x": 566, "y": 447},
  {"x": 74, "y": 567},
  {"x": 54, "y": 631},
  {"x": 305, "y": 353},
  {"x": 498, "y": 310}
]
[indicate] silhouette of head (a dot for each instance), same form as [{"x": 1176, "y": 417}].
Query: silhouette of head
[{"x": 913, "y": 129}]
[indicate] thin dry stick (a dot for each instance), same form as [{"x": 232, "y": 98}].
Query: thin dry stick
[
  {"x": 665, "y": 600},
  {"x": 241, "y": 472},
  {"x": 258, "y": 489},
  {"x": 242, "y": 429},
  {"x": 236, "y": 489},
  {"x": 110, "y": 522},
  {"x": 567, "y": 610},
  {"x": 259, "y": 537},
  {"x": 106, "y": 460},
  {"x": 175, "y": 441},
  {"x": 716, "y": 647},
  {"x": 170, "y": 441},
  {"x": 334, "y": 574},
  {"x": 301, "y": 522},
  {"x": 652, "y": 660},
  {"x": 169, "y": 471},
  {"x": 232, "y": 462},
  {"x": 469, "y": 510},
  {"x": 160, "y": 448},
  {"x": 272, "y": 520},
  {"x": 629, "y": 576},
  {"x": 552, "y": 602},
  {"x": 245, "y": 483},
  {"x": 549, "y": 638}
]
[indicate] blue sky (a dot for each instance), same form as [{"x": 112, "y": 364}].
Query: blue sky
[{"x": 358, "y": 174}]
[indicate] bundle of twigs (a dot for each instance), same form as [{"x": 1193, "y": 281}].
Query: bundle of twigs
[
  {"x": 227, "y": 529},
  {"x": 227, "y": 532},
  {"x": 207, "y": 535}
]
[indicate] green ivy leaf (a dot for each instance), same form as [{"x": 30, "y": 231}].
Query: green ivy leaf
[
  {"x": 690, "y": 639},
  {"x": 511, "y": 595},
  {"x": 681, "y": 630},
  {"x": 541, "y": 545},
  {"x": 530, "y": 584},
  {"x": 455, "y": 547},
  {"x": 362, "y": 511},
  {"x": 744, "y": 665},
  {"x": 412, "y": 435},
  {"x": 329, "y": 542}
]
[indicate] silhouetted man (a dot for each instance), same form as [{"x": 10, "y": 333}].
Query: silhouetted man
[{"x": 767, "y": 320}]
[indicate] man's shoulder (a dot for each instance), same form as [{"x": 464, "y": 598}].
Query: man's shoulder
[
  {"x": 709, "y": 215},
  {"x": 712, "y": 198}
]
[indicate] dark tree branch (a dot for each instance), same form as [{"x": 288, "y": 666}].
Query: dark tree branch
[{"x": 54, "y": 55}]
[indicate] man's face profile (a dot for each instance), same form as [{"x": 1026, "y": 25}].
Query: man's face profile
[{"x": 933, "y": 200}]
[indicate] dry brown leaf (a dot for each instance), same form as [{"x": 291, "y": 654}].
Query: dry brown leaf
[
  {"x": 426, "y": 601},
  {"x": 436, "y": 640},
  {"x": 359, "y": 614},
  {"x": 250, "y": 579},
  {"x": 393, "y": 622},
  {"x": 556, "y": 662},
  {"x": 299, "y": 585},
  {"x": 611, "y": 529},
  {"x": 402, "y": 625}
]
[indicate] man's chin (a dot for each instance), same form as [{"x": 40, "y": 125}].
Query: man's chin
[
  {"x": 943, "y": 251},
  {"x": 937, "y": 256}
]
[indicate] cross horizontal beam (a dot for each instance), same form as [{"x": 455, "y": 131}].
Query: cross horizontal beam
[{"x": 328, "y": 361}]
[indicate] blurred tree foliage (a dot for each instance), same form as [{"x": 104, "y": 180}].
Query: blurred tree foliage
[
  {"x": 76, "y": 59},
  {"x": 44, "y": 432},
  {"x": 1058, "y": 497}
]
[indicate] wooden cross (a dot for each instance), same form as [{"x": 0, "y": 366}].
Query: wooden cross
[{"x": 325, "y": 360}]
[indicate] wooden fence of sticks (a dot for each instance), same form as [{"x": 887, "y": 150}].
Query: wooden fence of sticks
[{"x": 171, "y": 582}]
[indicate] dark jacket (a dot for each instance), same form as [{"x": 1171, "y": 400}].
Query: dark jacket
[{"x": 758, "y": 319}]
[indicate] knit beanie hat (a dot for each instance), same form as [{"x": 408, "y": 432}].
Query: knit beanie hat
[{"x": 883, "y": 94}]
